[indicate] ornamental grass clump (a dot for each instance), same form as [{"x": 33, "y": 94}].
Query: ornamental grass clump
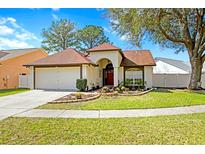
[
  {"x": 78, "y": 95},
  {"x": 105, "y": 89}
]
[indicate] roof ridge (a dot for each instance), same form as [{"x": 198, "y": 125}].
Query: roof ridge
[
  {"x": 177, "y": 63},
  {"x": 81, "y": 55},
  {"x": 137, "y": 50},
  {"x": 69, "y": 56},
  {"x": 19, "y": 49},
  {"x": 2, "y": 51},
  {"x": 98, "y": 47},
  {"x": 169, "y": 59}
]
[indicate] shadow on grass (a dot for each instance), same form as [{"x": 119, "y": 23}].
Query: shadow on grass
[
  {"x": 202, "y": 92},
  {"x": 163, "y": 90}
]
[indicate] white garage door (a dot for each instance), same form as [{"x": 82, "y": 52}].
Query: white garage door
[{"x": 57, "y": 78}]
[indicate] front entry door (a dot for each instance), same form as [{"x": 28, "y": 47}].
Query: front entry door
[{"x": 109, "y": 77}]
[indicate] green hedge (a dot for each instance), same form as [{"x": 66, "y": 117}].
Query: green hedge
[{"x": 81, "y": 84}]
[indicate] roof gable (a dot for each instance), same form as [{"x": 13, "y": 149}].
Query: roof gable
[
  {"x": 67, "y": 57},
  {"x": 138, "y": 58},
  {"x": 176, "y": 63},
  {"x": 104, "y": 47}
]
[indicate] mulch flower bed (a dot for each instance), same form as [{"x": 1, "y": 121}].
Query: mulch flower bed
[
  {"x": 134, "y": 93},
  {"x": 126, "y": 93},
  {"x": 73, "y": 98}
]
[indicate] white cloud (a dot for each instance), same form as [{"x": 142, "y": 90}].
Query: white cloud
[
  {"x": 26, "y": 36},
  {"x": 106, "y": 29},
  {"x": 12, "y": 21},
  {"x": 55, "y": 17},
  {"x": 124, "y": 38},
  {"x": 5, "y": 30},
  {"x": 13, "y": 35},
  {"x": 55, "y": 9},
  {"x": 13, "y": 43},
  {"x": 114, "y": 21}
]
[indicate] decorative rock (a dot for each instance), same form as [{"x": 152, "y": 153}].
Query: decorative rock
[{"x": 75, "y": 100}]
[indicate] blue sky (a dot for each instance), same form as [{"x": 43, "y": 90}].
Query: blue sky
[{"x": 21, "y": 28}]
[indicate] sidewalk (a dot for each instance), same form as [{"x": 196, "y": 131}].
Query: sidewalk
[{"x": 45, "y": 113}]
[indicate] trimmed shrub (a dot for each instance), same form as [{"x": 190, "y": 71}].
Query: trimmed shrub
[
  {"x": 105, "y": 89},
  {"x": 81, "y": 84}
]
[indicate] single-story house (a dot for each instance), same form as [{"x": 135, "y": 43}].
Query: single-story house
[
  {"x": 171, "y": 73},
  {"x": 171, "y": 66},
  {"x": 103, "y": 65},
  {"x": 11, "y": 65}
]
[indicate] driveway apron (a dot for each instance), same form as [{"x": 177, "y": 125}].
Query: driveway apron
[{"x": 18, "y": 103}]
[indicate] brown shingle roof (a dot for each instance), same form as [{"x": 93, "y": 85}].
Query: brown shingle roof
[
  {"x": 67, "y": 57},
  {"x": 9, "y": 54},
  {"x": 104, "y": 47},
  {"x": 138, "y": 58}
]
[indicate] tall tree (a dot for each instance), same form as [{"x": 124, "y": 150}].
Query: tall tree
[
  {"x": 180, "y": 29},
  {"x": 91, "y": 36},
  {"x": 59, "y": 36}
]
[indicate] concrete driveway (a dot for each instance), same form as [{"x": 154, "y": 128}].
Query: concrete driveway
[{"x": 18, "y": 103}]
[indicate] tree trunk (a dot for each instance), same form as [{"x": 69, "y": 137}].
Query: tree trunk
[{"x": 195, "y": 80}]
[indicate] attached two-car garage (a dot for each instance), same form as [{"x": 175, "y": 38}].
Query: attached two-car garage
[{"x": 56, "y": 77}]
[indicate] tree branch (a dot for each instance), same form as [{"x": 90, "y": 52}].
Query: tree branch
[
  {"x": 200, "y": 40},
  {"x": 167, "y": 36},
  {"x": 203, "y": 58},
  {"x": 184, "y": 23}
]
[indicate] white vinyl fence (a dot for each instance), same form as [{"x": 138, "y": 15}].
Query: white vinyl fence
[
  {"x": 173, "y": 80},
  {"x": 23, "y": 81}
]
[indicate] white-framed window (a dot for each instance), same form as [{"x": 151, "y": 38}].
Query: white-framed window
[{"x": 134, "y": 77}]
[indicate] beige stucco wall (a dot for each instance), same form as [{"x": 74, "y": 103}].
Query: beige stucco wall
[
  {"x": 90, "y": 73},
  {"x": 148, "y": 70},
  {"x": 114, "y": 56},
  {"x": 121, "y": 74}
]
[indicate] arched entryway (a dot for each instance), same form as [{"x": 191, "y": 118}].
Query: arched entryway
[{"x": 108, "y": 75}]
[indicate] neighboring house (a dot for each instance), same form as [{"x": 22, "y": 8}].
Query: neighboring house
[
  {"x": 170, "y": 73},
  {"x": 105, "y": 64},
  {"x": 11, "y": 65},
  {"x": 170, "y": 66}
]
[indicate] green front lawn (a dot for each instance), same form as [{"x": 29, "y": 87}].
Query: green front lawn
[
  {"x": 155, "y": 99},
  {"x": 180, "y": 129},
  {"x": 6, "y": 92}
]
